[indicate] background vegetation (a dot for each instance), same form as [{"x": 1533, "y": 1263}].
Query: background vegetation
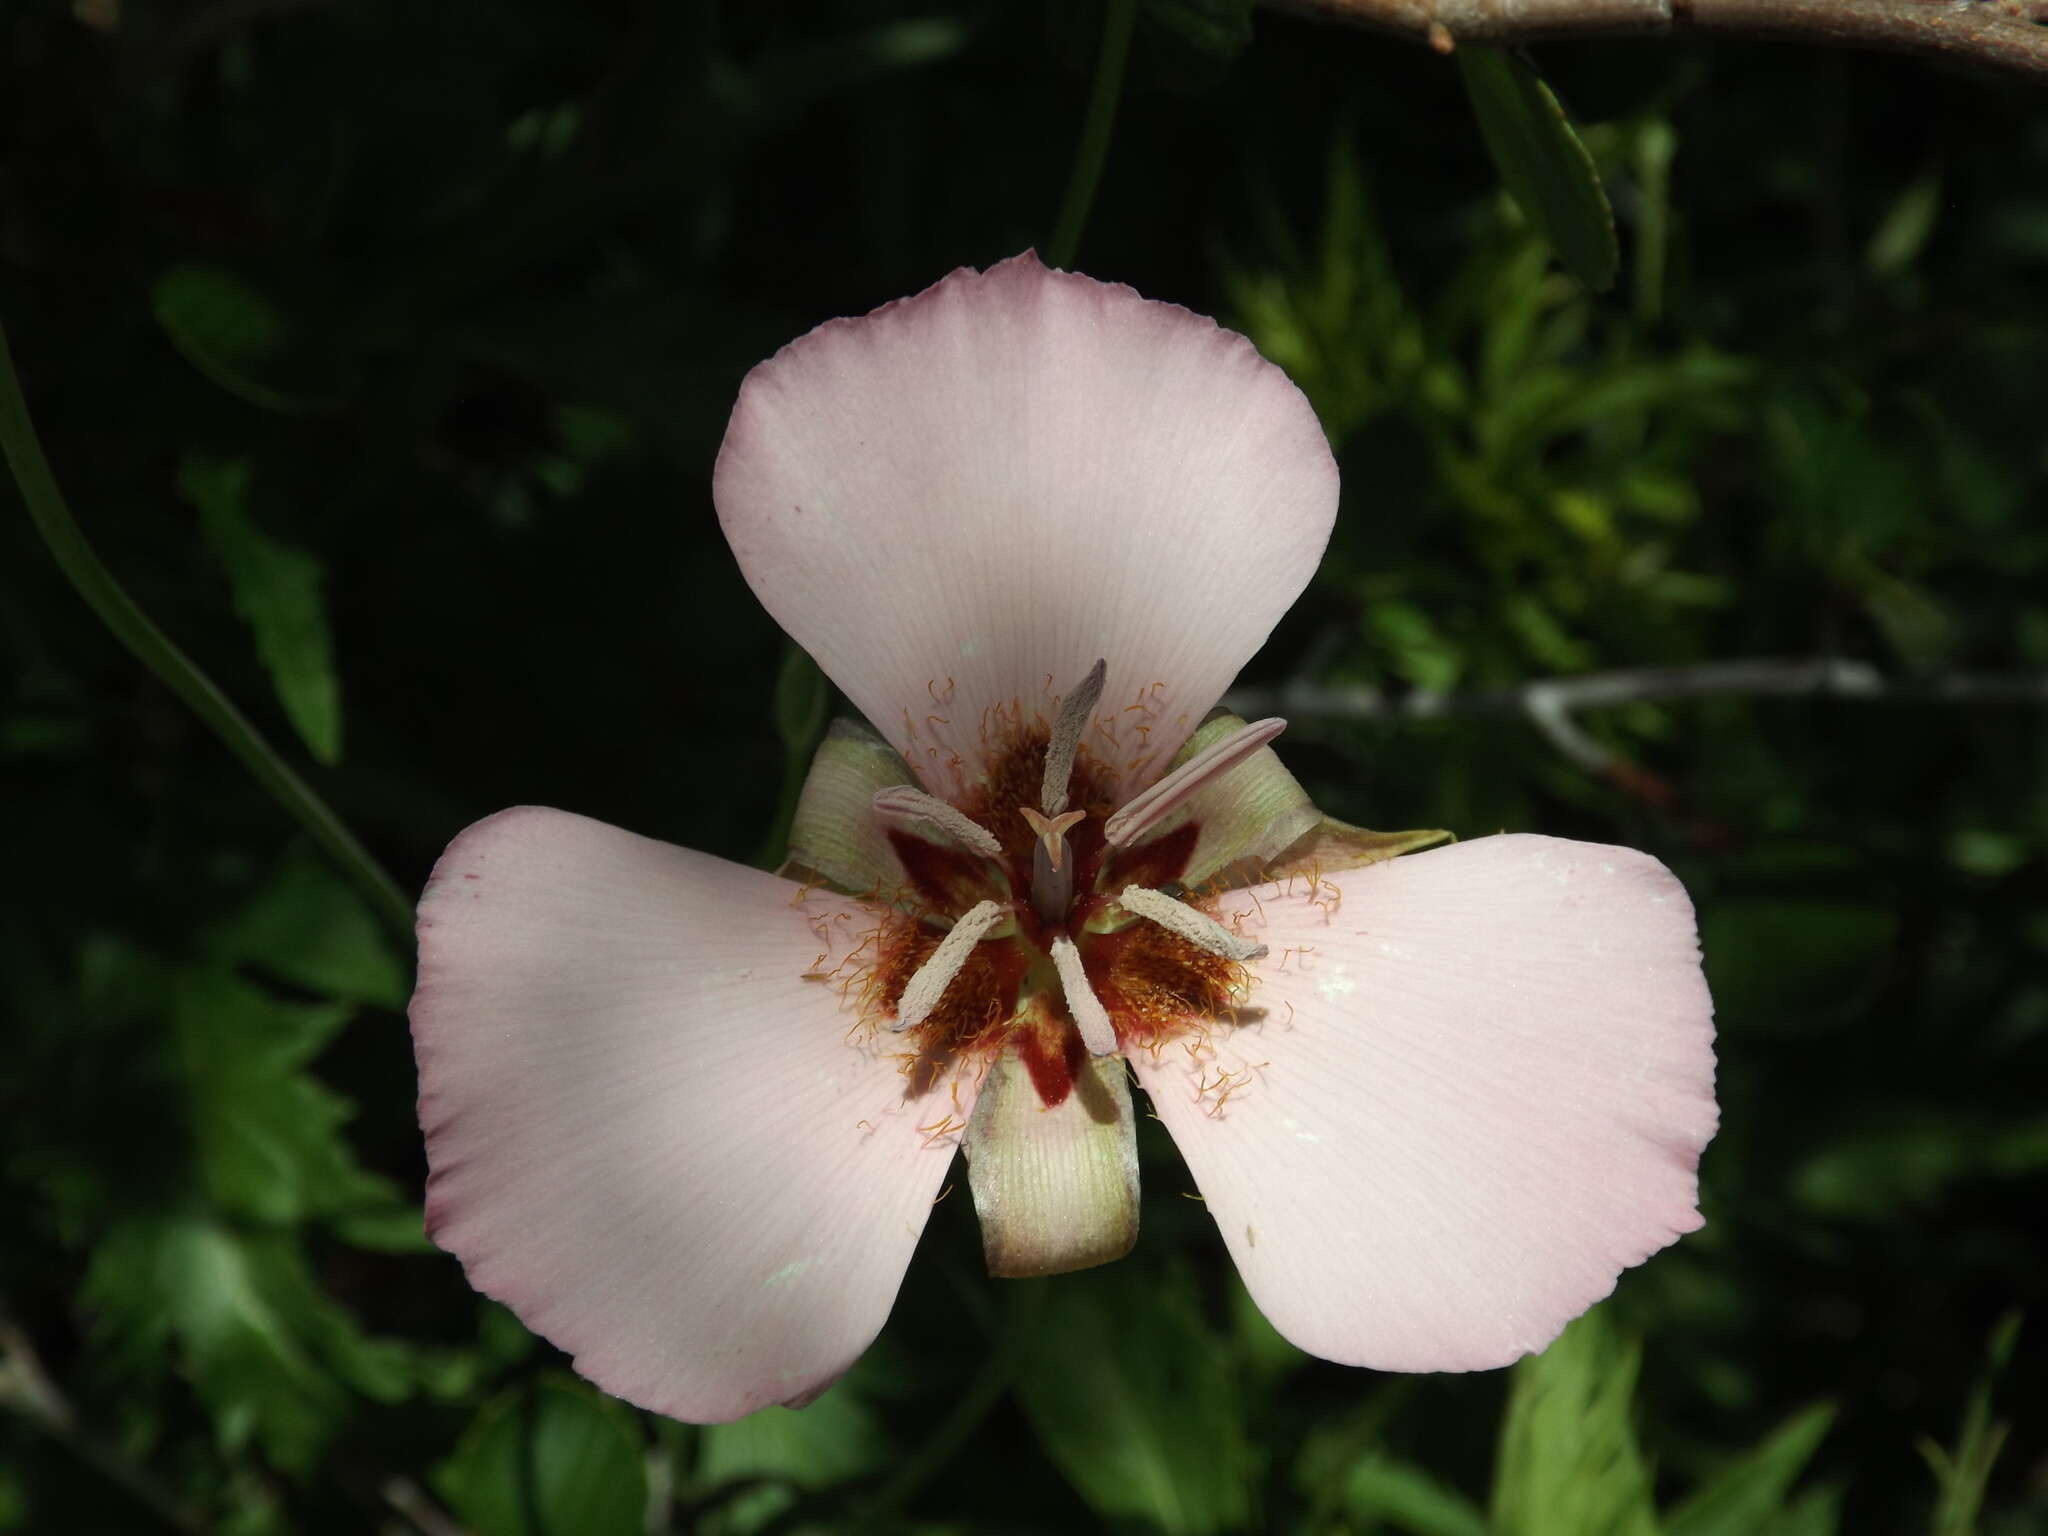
[{"x": 383, "y": 349}]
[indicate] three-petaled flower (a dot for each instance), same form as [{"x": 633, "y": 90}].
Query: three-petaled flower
[{"x": 687, "y": 1119}]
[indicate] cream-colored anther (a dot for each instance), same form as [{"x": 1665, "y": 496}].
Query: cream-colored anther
[
  {"x": 901, "y": 803},
  {"x": 1198, "y": 928},
  {"x": 1146, "y": 811},
  {"x": 1090, "y": 1017},
  {"x": 928, "y": 987},
  {"x": 1076, "y": 710}
]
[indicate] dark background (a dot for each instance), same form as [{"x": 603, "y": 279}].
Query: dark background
[{"x": 383, "y": 350}]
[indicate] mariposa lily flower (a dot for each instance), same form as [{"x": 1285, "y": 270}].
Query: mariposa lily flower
[{"x": 687, "y": 1119}]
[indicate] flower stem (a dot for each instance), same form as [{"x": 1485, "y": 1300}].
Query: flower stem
[
  {"x": 132, "y": 627},
  {"x": 1118, "y": 21}
]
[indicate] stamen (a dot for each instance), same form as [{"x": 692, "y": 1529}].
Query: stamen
[
  {"x": 1052, "y": 830},
  {"x": 1076, "y": 710},
  {"x": 1198, "y": 928},
  {"x": 1146, "y": 811},
  {"x": 927, "y": 988},
  {"x": 901, "y": 803},
  {"x": 1090, "y": 1017}
]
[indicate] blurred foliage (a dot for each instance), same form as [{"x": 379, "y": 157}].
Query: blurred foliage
[{"x": 383, "y": 349}]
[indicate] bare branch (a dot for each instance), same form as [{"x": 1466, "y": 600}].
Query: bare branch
[
  {"x": 2002, "y": 35},
  {"x": 27, "y": 1390},
  {"x": 1550, "y": 703}
]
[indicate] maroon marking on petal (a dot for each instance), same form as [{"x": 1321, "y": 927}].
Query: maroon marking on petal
[
  {"x": 1155, "y": 985},
  {"x": 952, "y": 881},
  {"x": 1159, "y": 862},
  {"x": 1052, "y": 1053}
]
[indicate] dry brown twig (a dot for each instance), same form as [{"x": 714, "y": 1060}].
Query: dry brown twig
[{"x": 2001, "y": 35}]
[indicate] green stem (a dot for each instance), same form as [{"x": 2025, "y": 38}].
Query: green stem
[
  {"x": 1118, "y": 22},
  {"x": 1022, "y": 1303},
  {"x": 117, "y": 610}
]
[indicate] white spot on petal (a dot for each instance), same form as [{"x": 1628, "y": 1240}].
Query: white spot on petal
[{"x": 788, "y": 1272}]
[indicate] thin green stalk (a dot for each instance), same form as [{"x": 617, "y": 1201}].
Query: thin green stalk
[
  {"x": 1118, "y": 22},
  {"x": 96, "y": 584},
  {"x": 1023, "y": 1299}
]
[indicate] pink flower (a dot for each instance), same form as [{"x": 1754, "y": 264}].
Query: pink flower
[{"x": 688, "y": 1119}]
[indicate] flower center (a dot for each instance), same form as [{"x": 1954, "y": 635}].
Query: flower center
[{"x": 1044, "y": 918}]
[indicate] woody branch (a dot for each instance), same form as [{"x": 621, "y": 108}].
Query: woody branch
[
  {"x": 2001, "y": 35},
  {"x": 1549, "y": 704}
]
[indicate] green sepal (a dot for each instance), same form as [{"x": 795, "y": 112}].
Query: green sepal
[
  {"x": 1247, "y": 816},
  {"x": 1258, "y": 823},
  {"x": 1337, "y": 845},
  {"x": 1056, "y": 1189},
  {"x": 836, "y": 838}
]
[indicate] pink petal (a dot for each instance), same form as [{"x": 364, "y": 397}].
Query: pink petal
[
  {"x": 1475, "y": 1090},
  {"x": 967, "y": 497},
  {"x": 648, "y": 1132}
]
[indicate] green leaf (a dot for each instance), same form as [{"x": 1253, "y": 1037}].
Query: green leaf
[
  {"x": 1221, "y": 29},
  {"x": 267, "y": 1135},
  {"x": 1762, "y": 984},
  {"x": 1407, "y": 1498},
  {"x": 789, "y": 1451},
  {"x": 801, "y": 694},
  {"x": 242, "y": 339},
  {"x": 1547, "y": 170},
  {"x": 1964, "y": 1473},
  {"x": 555, "y": 1459},
  {"x": 1751, "y": 1490},
  {"x": 1568, "y": 1459},
  {"x": 1906, "y": 228},
  {"x": 308, "y": 927},
  {"x": 1911, "y": 1162},
  {"x": 1135, "y": 1400},
  {"x": 240, "y": 1317},
  {"x": 277, "y": 592}
]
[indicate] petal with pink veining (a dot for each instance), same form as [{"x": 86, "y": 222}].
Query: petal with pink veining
[
  {"x": 965, "y": 498},
  {"x": 1463, "y": 1098},
  {"x": 650, "y": 1135}
]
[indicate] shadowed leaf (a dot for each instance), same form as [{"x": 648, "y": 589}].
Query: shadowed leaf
[
  {"x": 1540, "y": 158},
  {"x": 277, "y": 592}
]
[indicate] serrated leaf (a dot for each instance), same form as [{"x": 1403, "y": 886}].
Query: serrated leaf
[
  {"x": 1134, "y": 1399},
  {"x": 239, "y": 1316},
  {"x": 242, "y": 339},
  {"x": 277, "y": 593},
  {"x": 1752, "y": 1489},
  {"x": 1540, "y": 158},
  {"x": 1568, "y": 1459},
  {"x": 266, "y": 1134},
  {"x": 553, "y": 1459}
]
